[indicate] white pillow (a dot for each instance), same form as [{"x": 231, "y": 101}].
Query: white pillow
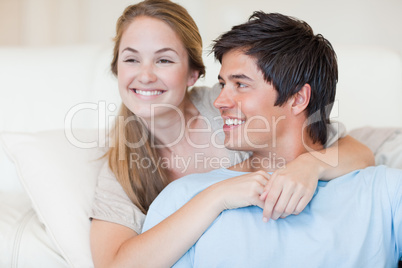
[
  {"x": 60, "y": 180},
  {"x": 24, "y": 242},
  {"x": 9, "y": 177}
]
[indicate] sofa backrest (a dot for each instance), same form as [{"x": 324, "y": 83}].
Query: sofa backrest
[
  {"x": 369, "y": 89},
  {"x": 41, "y": 87}
]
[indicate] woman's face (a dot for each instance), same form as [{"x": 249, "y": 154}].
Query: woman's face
[{"x": 153, "y": 68}]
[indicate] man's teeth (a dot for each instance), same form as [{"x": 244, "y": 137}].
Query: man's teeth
[
  {"x": 148, "y": 92},
  {"x": 234, "y": 122}
]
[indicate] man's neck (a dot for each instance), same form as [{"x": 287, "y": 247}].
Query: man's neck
[{"x": 271, "y": 159}]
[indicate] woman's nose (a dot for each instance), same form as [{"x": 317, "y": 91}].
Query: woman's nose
[{"x": 147, "y": 74}]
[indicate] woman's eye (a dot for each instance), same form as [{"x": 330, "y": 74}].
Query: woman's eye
[
  {"x": 130, "y": 60},
  {"x": 164, "y": 61}
]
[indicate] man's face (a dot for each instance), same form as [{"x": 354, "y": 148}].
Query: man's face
[{"x": 246, "y": 103}]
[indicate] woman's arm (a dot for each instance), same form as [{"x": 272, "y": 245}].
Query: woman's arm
[
  {"x": 114, "y": 245},
  {"x": 343, "y": 157},
  {"x": 291, "y": 189}
]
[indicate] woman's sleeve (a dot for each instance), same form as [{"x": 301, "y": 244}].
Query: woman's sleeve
[{"x": 112, "y": 204}]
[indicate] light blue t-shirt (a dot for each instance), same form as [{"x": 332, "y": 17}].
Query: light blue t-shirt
[{"x": 352, "y": 221}]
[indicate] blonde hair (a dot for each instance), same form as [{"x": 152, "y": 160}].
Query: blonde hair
[{"x": 142, "y": 185}]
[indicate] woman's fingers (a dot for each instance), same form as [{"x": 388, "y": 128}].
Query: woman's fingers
[
  {"x": 291, "y": 206},
  {"x": 270, "y": 202},
  {"x": 243, "y": 190},
  {"x": 285, "y": 202},
  {"x": 302, "y": 204},
  {"x": 284, "y": 199}
]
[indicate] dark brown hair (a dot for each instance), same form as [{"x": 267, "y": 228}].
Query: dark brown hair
[{"x": 289, "y": 56}]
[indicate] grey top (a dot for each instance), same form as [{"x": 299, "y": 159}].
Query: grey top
[{"x": 112, "y": 204}]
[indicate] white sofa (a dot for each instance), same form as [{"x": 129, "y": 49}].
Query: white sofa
[{"x": 56, "y": 105}]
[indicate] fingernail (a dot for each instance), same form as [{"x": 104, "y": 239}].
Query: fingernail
[{"x": 264, "y": 219}]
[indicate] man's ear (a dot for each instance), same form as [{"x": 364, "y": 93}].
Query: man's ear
[
  {"x": 301, "y": 99},
  {"x": 192, "y": 77}
]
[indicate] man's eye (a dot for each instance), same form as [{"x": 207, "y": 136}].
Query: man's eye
[
  {"x": 241, "y": 85},
  {"x": 222, "y": 85}
]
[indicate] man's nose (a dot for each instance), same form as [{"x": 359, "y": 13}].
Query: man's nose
[{"x": 225, "y": 99}]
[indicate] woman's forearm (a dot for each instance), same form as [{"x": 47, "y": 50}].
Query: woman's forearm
[
  {"x": 343, "y": 157},
  {"x": 165, "y": 243}
]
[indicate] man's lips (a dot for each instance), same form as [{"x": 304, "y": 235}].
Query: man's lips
[{"x": 232, "y": 122}]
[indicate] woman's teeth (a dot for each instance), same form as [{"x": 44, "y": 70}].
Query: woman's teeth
[
  {"x": 234, "y": 122},
  {"x": 148, "y": 92}
]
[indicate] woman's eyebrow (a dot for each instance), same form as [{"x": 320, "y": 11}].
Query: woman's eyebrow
[
  {"x": 166, "y": 49},
  {"x": 129, "y": 49},
  {"x": 157, "y": 52}
]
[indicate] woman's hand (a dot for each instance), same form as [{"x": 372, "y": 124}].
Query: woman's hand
[
  {"x": 290, "y": 189},
  {"x": 241, "y": 191}
]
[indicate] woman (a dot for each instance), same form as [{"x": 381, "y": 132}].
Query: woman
[{"x": 161, "y": 132}]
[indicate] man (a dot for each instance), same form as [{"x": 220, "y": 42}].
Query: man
[{"x": 278, "y": 86}]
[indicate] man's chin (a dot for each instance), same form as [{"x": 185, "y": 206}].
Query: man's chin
[
  {"x": 232, "y": 148},
  {"x": 236, "y": 147}
]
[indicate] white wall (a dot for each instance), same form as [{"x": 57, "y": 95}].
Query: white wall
[
  {"x": 346, "y": 23},
  {"x": 50, "y": 22}
]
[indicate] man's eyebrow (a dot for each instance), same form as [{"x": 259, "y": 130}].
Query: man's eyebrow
[
  {"x": 236, "y": 76},
  {"x": 240, "y": 76}
]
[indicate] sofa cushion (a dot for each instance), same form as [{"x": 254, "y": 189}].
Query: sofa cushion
[
  {"x": 9, "y": 177},
  {"x": 59, "y": 177},
  {"x": 24, "y": 242}
]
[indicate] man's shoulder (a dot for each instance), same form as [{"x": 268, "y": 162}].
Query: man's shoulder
[
  {"x": 180, "y": 191},
  {"x": 376, "y": 176},
  {"x": 183, "y": 189},
  {"x": 374, "y": 172},
  {"x": 380, "y": 171},
  {"x": 199, "y": 180}
]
